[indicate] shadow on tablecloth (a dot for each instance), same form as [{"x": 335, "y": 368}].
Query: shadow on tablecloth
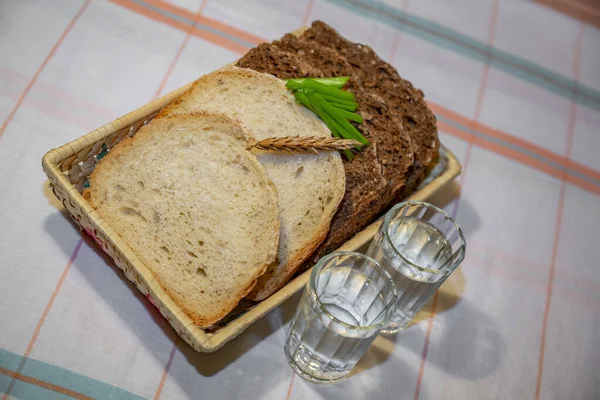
[{"x": 206, "y": 364}]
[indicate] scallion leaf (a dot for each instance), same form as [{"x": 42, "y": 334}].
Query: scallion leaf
[
  {"x": 337, "y": 100},
  {"x": 349, "y": 129},
  {"x": 337, "y": 82},
  {"x": 350, "y": 115},
  {"x": 303, "y": 99},
  {"x": 334, "y": 106},
  {"x": 309, "y": 84},
  {"x": 346, "y": 107}
]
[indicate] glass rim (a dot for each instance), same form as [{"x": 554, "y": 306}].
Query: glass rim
[
  {"x": 386, "y": 225},
  {"x": 311, "y": 290}
]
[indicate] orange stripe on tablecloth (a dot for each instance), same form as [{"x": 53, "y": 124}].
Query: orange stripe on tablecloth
[
  {"x": 61, "y": 280},
  {"x": 44, "y": 384},
  {"x": 454, "y": 131},
  {"x": 589, "y": 13},
  {"x": 179, "y": 51},
  {"x": 291, "y": 385},
  {"x": 538, "y": 387},
  {"x": 42, "y": 319},
  {"x": 496, "y": 148},
  {"x": 220, "y": 41},
  {"x": 41, "y": 68},
  {"x": 559, "y": 218},
  {"x": 181, "y": 25},
  {"x": 525, "y": 159},
  {"x": 309, "y": 8},
  {"x": 520, "y": 263},
  {"x": 396, "y": 42},
  {"x": 471, "y": 141},
  {"x": 536, "y": 149},
  {"x": 576, "y": 295},
  {"x": 517, "y": 156},
  {"x": 583, "y": 184},
  {"x": 218, "y": 25},
  {"x": 163, "y": 379}
]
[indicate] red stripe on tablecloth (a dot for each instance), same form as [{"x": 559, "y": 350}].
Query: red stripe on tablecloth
[
  {"x": 559, "y": 218},
  {"x": 41, "y": 68},
  {"x": 482, "y": 87}
]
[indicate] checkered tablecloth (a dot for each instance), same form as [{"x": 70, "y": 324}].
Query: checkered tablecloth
[{"x": 516, "y": 89}]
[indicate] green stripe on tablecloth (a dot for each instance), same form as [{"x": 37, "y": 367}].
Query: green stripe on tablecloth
[
  {"x": 55, "y": 375},
  {"x": 473, "y": 49}
]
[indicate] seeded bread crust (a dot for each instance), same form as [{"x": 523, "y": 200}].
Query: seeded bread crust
[{"x": 279, "y": 63}]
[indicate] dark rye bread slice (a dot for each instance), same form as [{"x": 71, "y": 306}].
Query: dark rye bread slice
[
  {"x": 408, "y": 101},
  {"x": 360, "y": 206},
  {"x": 270, "y": 60},
  {"x": 325, "y": 59},
  {"x": 381, "y": 125},
  {"x": 365, "y": 184}
]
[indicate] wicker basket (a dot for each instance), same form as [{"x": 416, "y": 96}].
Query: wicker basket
[{"x": 68, "y": 168}]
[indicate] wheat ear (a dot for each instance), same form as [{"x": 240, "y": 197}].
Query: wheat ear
[{"x": 305, "y": 144}]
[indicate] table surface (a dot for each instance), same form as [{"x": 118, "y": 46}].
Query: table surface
[{"x": 516, "y": 89}]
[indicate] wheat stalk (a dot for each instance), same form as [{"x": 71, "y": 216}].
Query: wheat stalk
[{"x": 305, "y": 144}]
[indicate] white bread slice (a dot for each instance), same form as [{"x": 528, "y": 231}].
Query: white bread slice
[
  {"x": 310, "y": 187},
  {"x": 195, "y": 206}
]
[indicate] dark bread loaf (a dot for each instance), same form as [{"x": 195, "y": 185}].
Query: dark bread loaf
[
  {"x": 365, "y": 182},
  {"x": 409, "y": 102},
  {"x": 397, "y": 121},
  {"x": 381, "y": 124}
]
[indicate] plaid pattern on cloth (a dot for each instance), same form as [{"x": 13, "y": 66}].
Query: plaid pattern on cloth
[{"x": 516, "y": 88}]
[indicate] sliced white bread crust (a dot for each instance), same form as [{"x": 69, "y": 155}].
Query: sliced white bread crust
[
  {"x": 310, "y": 187},
  {"x": 195, "y": 205}
]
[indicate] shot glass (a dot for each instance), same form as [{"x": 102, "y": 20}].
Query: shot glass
[
  {"x": 348, "y": 299},
  {"x": 420, "y": 246}
]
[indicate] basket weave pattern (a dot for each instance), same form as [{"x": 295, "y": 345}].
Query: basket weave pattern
[{"x": 81, "y": 165}]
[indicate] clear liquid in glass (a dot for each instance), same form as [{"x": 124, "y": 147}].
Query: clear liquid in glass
[
  {"x": 322, "y": 350},
  {"x": 424, "y": 246}
]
